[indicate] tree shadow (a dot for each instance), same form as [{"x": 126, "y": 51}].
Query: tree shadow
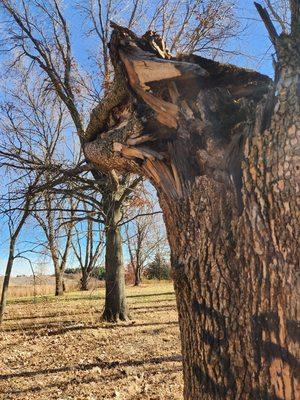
[
  {"x": 88, "y": 366},
  {"x": 130, "y": 296},
  {"x": 55, "y": 315},
  {"x": 65, "y": 327},
  {"x": 108, "y": 326},
  {"x": 89, "y": 379},
  {"x": 37, "y": 326},
  {"x": 61, "y": 315},
  {"x": 151, "y": 294}
]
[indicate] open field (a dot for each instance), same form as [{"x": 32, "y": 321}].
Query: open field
[
  {"x": 25, "y": 286},
  {"x": 59, "y": 349}
]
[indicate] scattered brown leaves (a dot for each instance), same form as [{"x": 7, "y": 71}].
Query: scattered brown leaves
[{"x": 59, "y": 349}]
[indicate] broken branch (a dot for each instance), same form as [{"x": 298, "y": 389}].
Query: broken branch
[{"x": 264, "y": 15}]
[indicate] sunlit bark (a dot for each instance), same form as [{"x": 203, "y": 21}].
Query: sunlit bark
[{"x": 221, "y": 145}]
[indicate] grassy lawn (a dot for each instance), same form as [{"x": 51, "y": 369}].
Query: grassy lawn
[{"x": 58, "y": 348}]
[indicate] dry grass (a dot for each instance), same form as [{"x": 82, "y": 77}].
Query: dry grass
[
  {"x": 24, "y": 286},
  {"x": 29, "y": 291},
  {"x": 59, "y": 349}
]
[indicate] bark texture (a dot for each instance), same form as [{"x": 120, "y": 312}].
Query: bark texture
[
  {"x": 221, "y": 145},
  {"x": 115, "y": 300},
  {"x": 84, "y": 280}
]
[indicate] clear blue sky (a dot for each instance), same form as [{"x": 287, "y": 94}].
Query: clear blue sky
[
  {"x": 253, "y": 41},
  {"x": 256, "y": 51}
]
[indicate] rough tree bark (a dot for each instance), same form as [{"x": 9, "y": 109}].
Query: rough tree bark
[
  {"x": 115, "y": 308},
  {"x": 84, "y": 280},
  {"x": 221, "y": 145},
  {"x": 59, "y": 280}
]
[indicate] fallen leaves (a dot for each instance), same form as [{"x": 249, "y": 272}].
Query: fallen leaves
[{"x": 76, "y": 357}]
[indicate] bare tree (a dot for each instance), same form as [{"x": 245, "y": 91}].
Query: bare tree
[
  {"x": 221, "y": 145},
  {"x": 39, "y": 32},
  {"x": 280, "y": 11},
  {"x": 88, "y": 245},
  {"x": 194, "y": 25},
  {"x": 15, "y": 225},
  {"x": 145, "y": 236},
  {"x": 37, "y": 122},
  {"x": 58, "y": 235}
]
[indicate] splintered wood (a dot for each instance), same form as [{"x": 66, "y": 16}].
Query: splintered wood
[{"x": 163, "y": 176}]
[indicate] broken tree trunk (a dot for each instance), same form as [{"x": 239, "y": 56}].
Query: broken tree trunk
[{"x": 221, "y": 146}]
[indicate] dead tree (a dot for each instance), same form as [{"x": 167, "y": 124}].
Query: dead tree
[{"x": 221, "y": 145}]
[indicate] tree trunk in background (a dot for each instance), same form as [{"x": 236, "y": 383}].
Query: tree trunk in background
[
  {"x": 59, "y": 282},
  {"x": 60, "y": 261},
  {"x": 84, "y": 280},
  {"x": 6, "y": 280},
  {"x": 221, "y": 144},
  {"x": 137, "y": 276},
  {"x": 115, "y": 299}
]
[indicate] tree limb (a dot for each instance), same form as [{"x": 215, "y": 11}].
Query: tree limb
[
  {"x": 268, "y": 23},
  {"x": 295, "y": 17}
]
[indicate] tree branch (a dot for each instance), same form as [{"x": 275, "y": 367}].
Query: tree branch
[
  {"x": 276, "y": 15},
  {"x": 268, "y": 23},
  {"x": 295, "y": 17},
  {"x": 140, "y": 215}
]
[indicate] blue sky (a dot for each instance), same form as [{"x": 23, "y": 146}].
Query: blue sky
[
  {"x": 253, "y": 41},
  {"x": 256, "y": 51}
]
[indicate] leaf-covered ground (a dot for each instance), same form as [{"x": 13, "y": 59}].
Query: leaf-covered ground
[{"x": 59, "y": 349}]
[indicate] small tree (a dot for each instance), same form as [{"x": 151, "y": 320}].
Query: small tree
[
  {"x": 158, "y": 268},
  {"x": 98, "y": 273},
  {"x": 145, "y": 236},
  {"x": 87, "y": 244},
  {"x": 58, "y": 236},
  {"x": 15, "y": 225}
]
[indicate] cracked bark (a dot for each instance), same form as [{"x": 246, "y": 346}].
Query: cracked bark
[{"x": 221, "y": 146}]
